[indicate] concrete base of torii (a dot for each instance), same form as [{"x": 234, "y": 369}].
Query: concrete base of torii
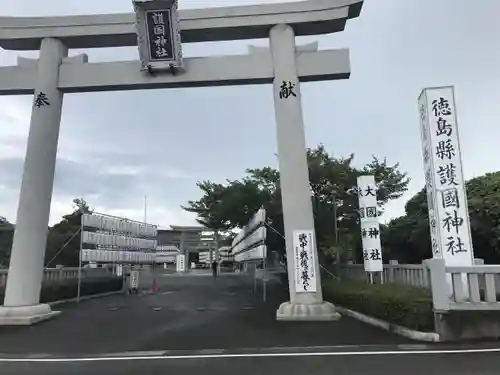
[
  {"x": 25, "y": 315},
  {"x": 323, "y": 311}
]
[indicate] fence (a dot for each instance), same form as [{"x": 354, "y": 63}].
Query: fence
[
  {"x": 464, "y": 288},
  {"x": 403, "y": 274},
  {"x": 63, "y": 274}
]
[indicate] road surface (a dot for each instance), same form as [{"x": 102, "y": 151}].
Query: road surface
[{"x": 195, "y": 324}]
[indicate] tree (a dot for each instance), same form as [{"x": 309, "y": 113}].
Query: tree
[
  {"x": 63, "y": 240},
  {"x": 332, "y": 180},
  {"x": 6, "y": 237},
  {"x": 408, "y": 237}
]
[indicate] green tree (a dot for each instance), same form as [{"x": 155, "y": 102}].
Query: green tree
[
  {"x": 408, "y": 237},
  {"x": 63, "y": 240},
  {"x": 6, "y": 237},
  {"x": 333, "y": 181}
]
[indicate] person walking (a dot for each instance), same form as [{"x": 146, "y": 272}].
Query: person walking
[{"x": 214, "y": 269}]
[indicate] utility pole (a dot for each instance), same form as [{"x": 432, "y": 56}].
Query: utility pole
[
  {"x": 335, "y": 224},
  {"x": 336, "y": 232}
]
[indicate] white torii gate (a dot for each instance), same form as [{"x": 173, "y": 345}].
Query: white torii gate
[{"x": 54, "y": 74}]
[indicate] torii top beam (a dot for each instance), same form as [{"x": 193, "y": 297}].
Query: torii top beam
[{"x": 197, "y": 25}]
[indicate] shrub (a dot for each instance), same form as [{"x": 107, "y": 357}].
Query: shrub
[
  {"x": 57, "y": 291},
  {"x": 407, "y": 306}
]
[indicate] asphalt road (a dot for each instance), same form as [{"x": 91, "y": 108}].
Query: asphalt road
[
  {"x": 195, "y": 324},
  {"x": 299, "y": 364}
]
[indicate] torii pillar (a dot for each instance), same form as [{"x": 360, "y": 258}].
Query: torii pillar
[
  {"x": 294, "y": 176},
  {"x": 22, "y": 295}
]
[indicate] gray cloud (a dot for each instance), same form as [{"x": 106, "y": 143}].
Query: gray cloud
[
  {"x": 172, "y": 138},
  {"x": 78, "y": 179}
]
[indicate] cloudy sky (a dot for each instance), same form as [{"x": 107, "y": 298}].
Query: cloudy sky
[{"x": 117, "y": 147}]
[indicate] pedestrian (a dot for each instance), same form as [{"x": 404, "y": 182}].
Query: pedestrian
[{"x": 214, "y": 269}]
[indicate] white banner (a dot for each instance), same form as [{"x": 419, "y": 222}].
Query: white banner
[
  {"x": 446, "y": 196},
  {"x": 256, "y": 236},
  {"x": 117, "y": 241},
  {"x": 119, "y": 225},
  {"x": 116, "y": 256},
  {"x": 134, "y": 279},
  {"x": 181, "y": 263},
  {"x": 246, "y": 245},
  {"x": 370, "y": 228},
  {"x": 86, "y": 256},
  {"x": 304, "y": 261},
  {"x": 255, "y": 221},
  {"x": 255, "y": 253}
]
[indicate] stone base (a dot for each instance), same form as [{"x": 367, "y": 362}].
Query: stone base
[
  {"x": 25, "y": 315},
  {"x": 324, "y": 311}
]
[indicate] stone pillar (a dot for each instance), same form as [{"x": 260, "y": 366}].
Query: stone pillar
[
  {"x": 294, "y": 174},
  {"x": 22, "y": 297}
]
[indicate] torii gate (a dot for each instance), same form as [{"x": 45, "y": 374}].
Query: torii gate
[{"x": 284, "y": 64}]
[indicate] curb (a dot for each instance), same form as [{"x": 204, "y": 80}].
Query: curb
[
  {"x": 84, "y": 298},
  {"x": 399, "y": 330}
]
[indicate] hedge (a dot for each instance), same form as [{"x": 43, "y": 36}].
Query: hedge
[
  {"x": 57, "y": 291},
  {"x": 407, "y": 306}
]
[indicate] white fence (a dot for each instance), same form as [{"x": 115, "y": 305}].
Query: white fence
[
  {"x": 63, "y": 274},
  {"x": 464, "y": 288},
  {"x": 404, "y": 274}
]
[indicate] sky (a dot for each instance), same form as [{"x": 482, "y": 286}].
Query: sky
[{"x": 116, "y": 148}]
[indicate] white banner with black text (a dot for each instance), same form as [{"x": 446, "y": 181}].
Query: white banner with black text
[
  {"x": 370, "y": 227},
  {"x": 446, "y": 196},
  {"x": 304, "y": 261}
]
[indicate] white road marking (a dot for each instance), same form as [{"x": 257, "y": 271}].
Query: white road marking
[
  {"x": 136, "y": 354},
  {"x": 249, "y": 355}
]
